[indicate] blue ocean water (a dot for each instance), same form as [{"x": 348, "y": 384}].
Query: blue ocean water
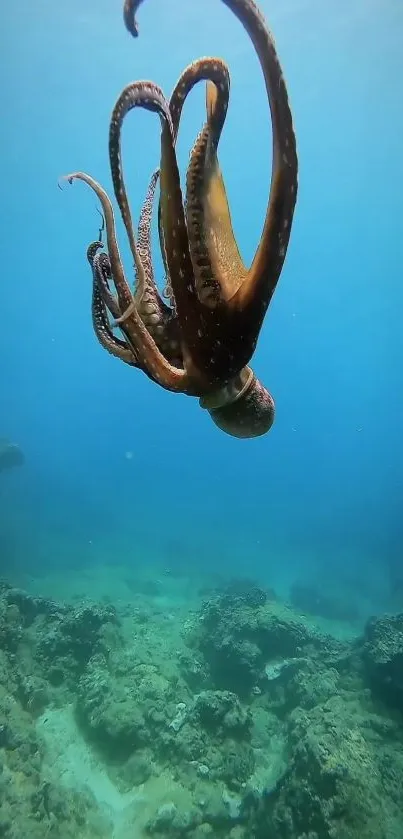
[{"x": 119, "y": 472}]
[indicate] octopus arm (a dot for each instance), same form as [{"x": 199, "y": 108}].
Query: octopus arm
[
  {"x": 256, "y": 291},
  {"x": 110, "y": 342},
  {"x": 149, "y": 357}
]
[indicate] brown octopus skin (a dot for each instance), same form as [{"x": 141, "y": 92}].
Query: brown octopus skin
[
  {"x": 232, "y": 329},
  {"x": 215, "y": 72},
  {"x": 145, "y": 350},
  {"x": 149, "y": 96},
  {"x": 159, "y": 318},
  {"x": 244, "y": 408},
  {"x": 252, "y": 295},
  {"x": 100, "y": 321}
]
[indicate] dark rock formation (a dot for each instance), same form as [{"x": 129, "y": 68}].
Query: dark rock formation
[
  {"x": 383, "y": 654},
  {"x": 10, "y": 455}
]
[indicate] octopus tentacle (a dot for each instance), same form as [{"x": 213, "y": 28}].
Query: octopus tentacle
[
  {"x": 113, "y": 345},
  {"x": 102, "y": 266},
  {"x": 93, "y": 248},
  {"x": 210, "y": 289},
  {"x": 119, "y": 187},
  {"x": 250, "y": 290},
  {"x": 145, "y": 349},
  {"x": 144, "y": 229},
  {"x": 146, "y": 297},
  {"x": 129, "y": 10},
  {"x": 159, "y": 318},
  {"x": 256, "y": 291},
  {"x": 207, "y": 69},
  {"x": 215, "y": 72},
  {"x": 216, "y": 232},
  {"x": 151, "y": 294},
  {"x": 103, "y": 276},
  {"x": 148, "y": 302},
  {"x": 180, "y": 269}
]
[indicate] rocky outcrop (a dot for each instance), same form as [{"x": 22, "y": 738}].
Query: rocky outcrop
[{"x": 10, "y": 455}]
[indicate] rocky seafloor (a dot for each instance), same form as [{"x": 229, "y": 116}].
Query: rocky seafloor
[{"x": 234, "y": 717}]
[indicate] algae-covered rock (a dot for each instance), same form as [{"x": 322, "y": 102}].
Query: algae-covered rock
[
  {"x": 67, "y": 643},
  {"x": 238, "y": 637},
  {"x": 30, "y": 607},
  {"x": 214, "y": 741},
  {"x": 126, "y": 711},
  {"x": 31, "y": 803},
  {"x": 335, "y": 786},
  {"x": 240, "y": 722},
  {"x": 383, "y": 654},
  {"x": 10, "y": 627},
  {"x": 221, "y": 713},
  {"x": 109, "y": 713}
]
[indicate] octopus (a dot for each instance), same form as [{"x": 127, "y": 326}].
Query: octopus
[{"x": 200, "y": 339}]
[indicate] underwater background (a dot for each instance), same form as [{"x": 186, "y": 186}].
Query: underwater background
[
  {"x": 124, "y": 482},
  {"x": 324, "y": 488}
]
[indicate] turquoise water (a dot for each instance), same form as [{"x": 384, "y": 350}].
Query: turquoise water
[
  {"x": 327, "y": 481},
  {"x": 123, "y": 480}
]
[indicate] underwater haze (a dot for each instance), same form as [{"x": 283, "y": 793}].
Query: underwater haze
[
  {"x": 326, "y": 484},
  {"x": 129, "y": 494}
]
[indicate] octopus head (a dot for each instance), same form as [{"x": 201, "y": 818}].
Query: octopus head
[{"x": 242, "y": 408}]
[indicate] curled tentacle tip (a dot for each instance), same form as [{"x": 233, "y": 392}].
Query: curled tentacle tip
[
  {"x": 126, "y": 314},
  {"x": 117, "y": 324},
  {"x": 129, "y": 11},
  {"x": 92, "y": 249},
  {"x": 64, "y": 178}
]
